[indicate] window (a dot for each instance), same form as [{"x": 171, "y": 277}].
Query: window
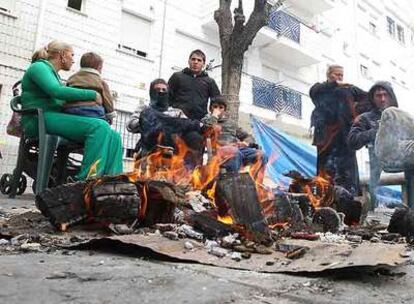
[
  {"x": 132, "y": 42},
  {"x": 76, "y": 4},
  {"x": 391, "y": 27},
  {"x": 400, "y": 34},
  {"x": 6, "y": 6},
  {"x": 364, "y": 70},
  {"x": 372, "y": 28}
]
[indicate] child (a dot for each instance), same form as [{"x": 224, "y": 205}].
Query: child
[
  {"x": 89, "y": 77},
  {"x": 234, "y": 146}
]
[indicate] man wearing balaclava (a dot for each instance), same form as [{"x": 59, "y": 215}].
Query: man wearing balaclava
[
  {"x": 365, "y": 128},
  {"x": 158, "y": 123}
]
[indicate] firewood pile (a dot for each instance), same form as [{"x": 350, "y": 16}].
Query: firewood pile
[{"x": 236, "y": 224}]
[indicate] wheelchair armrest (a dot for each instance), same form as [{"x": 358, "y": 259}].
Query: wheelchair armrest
[
  {"x": 32, "y": 111},
  {"x": 16, "y": 103}
]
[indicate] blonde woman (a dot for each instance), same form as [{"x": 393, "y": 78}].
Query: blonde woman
[{"x": 42, "y": 88}]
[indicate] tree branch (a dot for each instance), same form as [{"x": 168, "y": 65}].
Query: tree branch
[
  {"x": 222, "y": 16},
  {"x": 258, "y": 19},
  {"x": 239, "y": 19}
]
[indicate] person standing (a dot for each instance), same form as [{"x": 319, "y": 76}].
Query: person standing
[
  {"x": 335, "y": 108},
  {"x": 191, "y": 88},
  {"x": 365, "y": 128},
  {"x": 190, "y": 91}
]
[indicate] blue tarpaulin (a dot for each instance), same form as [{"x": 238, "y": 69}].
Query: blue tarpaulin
[{"x": 287, "y": 153}]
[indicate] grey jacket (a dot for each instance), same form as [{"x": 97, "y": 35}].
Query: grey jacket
[{"x": 230, "y": 133}]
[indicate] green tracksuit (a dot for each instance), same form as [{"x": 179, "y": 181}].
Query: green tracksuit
[{"x": 42, "y": 88}]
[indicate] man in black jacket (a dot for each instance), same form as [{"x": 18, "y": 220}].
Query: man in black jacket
[
  {"x": 336, "y": 104},
  {"x": 191, "y": 88},
  {"x": 365, "y": 128}
]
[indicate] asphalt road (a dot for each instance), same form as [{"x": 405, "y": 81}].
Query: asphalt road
[{"x": 111, "y": 277}]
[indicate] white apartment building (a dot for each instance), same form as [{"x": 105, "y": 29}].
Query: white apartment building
[{"x": 144, "y": 39}]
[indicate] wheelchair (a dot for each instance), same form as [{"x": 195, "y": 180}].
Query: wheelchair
[{"x": 45, "y": 159}]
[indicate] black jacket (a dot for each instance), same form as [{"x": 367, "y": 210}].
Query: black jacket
[
  {"x": 157, "y": 127},
  {"x": 190, "y": 93},
  {"x": 334, "y": 104},
  {"x": 365, "y": 127}
]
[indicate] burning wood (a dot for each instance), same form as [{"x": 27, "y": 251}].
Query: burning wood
[
  {"x": 206, "y": 223},
  {"x": 236, "y": 196},
  {"x": 321, "y": 192},
  {"x": 108, "y": 200}
]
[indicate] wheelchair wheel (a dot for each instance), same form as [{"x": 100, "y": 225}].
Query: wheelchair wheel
[
  {"x": 22, "y": 185},
  {"x": 5, "y": 183}
]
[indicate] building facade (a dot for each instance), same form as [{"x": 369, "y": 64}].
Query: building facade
[{"x": 145, "y": 39}]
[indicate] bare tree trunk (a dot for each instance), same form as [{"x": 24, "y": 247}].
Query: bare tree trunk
[{"x": 235, "y": 39}]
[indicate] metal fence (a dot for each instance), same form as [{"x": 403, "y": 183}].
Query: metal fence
[{"x": 129, "y": 140}]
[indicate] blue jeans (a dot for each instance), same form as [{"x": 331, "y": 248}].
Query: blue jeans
[
  {"x": 238, "y": 157},
  {"x": 96, "y": 111}
]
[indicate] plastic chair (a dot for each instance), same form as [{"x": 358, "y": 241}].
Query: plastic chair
[
  {"x": 375, "y": 171},
  {"x": 47, "y": 145}
]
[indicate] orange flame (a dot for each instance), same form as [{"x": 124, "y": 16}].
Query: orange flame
[
  {"x": 227, "y": 219},
  {"x": 317, "y": 190},
  {"x": 169, "y": 165}
]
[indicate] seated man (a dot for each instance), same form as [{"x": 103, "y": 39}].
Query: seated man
[
  {"x": 158, "y": 123},
  {"x": 234, "y": 146},
  {"x": 365, "y": 127}
]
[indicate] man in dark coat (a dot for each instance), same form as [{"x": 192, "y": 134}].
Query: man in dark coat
[
  {"x": 336, "y": 105},
  {"x": 365, "y": 127},
  {"x": 191, "y": 88},
  {"x": 158, "y": 123}
]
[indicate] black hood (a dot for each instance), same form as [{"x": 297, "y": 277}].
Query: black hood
[
  {"x": 387, "y": 87},
  {"x": 158, "y": 100}
]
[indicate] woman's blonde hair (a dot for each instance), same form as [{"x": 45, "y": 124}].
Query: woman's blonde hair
[{"x": 51, "y": 50}]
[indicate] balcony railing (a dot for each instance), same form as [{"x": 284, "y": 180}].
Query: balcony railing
[
  {"x": 277, "y": 98},
  {"x": 285, "y": 25}
]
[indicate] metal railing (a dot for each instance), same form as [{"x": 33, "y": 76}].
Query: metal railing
[
  {"x": 285, "y": 25},
  {"x": 129, "y": 140}
]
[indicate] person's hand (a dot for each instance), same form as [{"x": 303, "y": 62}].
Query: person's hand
[{"x": 98, "y": 99}]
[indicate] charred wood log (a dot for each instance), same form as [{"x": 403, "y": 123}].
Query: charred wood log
[
  {"x": 284, "y": 210},
  {"x": 351, "y": 209},
  {"x": 210, "y": 227},
  {"x": 114, "y": 202},
  {"x": 107, "y": 200},
  {"x": 161, "y": 199},
  {"x": 236, "y": 196},
  {"x": 402, "y": 222},
  {"x": 63, "y": 205},
  {"x": 327, "y": 220}
]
